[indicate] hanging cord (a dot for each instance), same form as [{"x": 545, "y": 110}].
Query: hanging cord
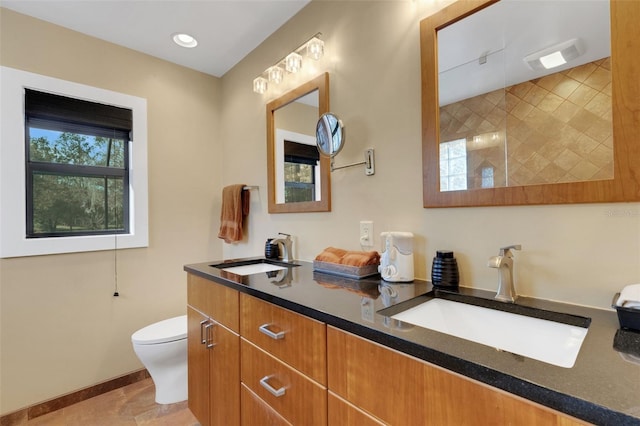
[{"x": 115, "y": 266}]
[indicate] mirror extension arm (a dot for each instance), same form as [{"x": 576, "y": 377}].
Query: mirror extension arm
[
  {"x": 369, "y": 163},
  {"x": 330, "y": 138}
]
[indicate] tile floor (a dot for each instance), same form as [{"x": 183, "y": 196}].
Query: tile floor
[{"x": 130, "y": 405}]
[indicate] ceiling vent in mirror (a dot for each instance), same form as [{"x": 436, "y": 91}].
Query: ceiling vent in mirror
[{"x": 554, "y": 56}]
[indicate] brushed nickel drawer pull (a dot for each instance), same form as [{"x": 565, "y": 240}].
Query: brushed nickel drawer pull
[
  {"x": 264, "y": 328},
  {"x": 203, "y": 339},
  {"x": 275, "y": 392}
]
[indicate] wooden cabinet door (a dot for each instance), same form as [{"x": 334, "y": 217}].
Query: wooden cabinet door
[
  {"x": 224, "y": 377},
  {"x": 198, "y": 372},
  {"x": 214, "y": 366},
  {"x": 401, "y": 390}
]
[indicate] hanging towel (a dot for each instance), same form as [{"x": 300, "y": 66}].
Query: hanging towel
[{"x": 235, "y": 206}]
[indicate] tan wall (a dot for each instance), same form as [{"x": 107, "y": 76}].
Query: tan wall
[
  {"x": 61, "y": 328},
  {"x": 580, "y": 254},
  {"x": 297, "y": 117}
]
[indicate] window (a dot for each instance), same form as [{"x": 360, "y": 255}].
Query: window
[
  {"x": 297, "y": 169},
  {"x": 301, "y": 162},
  {"x": 453, "y": 165},
  {"x": 77, "y": 180},
  {"x": 487, "y": 177},
  {"x": 73, "y": 167}
]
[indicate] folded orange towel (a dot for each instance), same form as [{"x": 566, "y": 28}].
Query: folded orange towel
[
  {"x": 331, "y": 254},
  {"x": 349, "y": 258},
  {"x": 360, "y": 258},
  {"x": 326, "y": 256},
  {"x": 337, "y": 251},
  {"x": 235, "y": 206}
]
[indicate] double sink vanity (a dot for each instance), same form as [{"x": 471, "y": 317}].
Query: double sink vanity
[{"x": 279, "y": 343}]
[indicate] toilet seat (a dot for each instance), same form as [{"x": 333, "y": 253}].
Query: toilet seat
[{"x": 165, "y": 331}]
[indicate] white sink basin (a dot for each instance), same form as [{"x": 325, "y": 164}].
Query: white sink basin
[
  {"x": 254, "y": 268},
  {"x": 548, "y": 341}
]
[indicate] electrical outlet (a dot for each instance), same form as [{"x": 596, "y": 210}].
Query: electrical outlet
[{"x": 366, "y": 233}]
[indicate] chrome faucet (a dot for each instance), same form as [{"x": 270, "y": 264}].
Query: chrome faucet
[
  {"x": 504, "y": 264},
  {"x": 286, "y": 246}
]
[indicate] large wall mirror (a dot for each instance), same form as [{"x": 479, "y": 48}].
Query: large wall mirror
[
  {"x": 509, "y": 121},
  {"x": 299, "y": 178}
]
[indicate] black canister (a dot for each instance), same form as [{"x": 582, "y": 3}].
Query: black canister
[
  {"x": 271, "y": 250},
  {"x": 444, "y": 272}
]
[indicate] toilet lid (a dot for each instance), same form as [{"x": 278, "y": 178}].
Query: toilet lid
[{"x": 164, "y": 331}]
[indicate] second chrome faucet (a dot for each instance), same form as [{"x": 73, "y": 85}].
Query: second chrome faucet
[{"x": 504, "y": 263}]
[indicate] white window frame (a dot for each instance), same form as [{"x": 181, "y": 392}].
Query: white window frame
[{"x": 13, "y": 240}]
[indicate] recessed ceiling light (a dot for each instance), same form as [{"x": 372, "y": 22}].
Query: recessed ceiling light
[{"x": 184, "y": 40}]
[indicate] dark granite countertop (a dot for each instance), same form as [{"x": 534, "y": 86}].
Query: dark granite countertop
[{"x": 603, "y": 387}]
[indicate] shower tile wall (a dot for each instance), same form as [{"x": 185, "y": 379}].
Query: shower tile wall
[{"x": 557, "y": 129}]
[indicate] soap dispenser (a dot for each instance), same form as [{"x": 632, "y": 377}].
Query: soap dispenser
[
  {"x": 271, "y": 250},
  {"x": 444, "y": 271}
]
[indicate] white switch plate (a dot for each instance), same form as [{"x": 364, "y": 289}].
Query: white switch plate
[{"x": 366, "y": 233}]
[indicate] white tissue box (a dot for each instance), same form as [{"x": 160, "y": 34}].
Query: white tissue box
[{"x": 627, "y": 305}]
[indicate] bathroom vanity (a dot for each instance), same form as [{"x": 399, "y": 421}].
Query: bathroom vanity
[{"x": 296, "y": 346}]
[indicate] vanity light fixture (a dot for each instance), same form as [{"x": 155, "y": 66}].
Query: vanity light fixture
[
  {"x": 555, "y": 55},
  {"x": 184, "y": 40},
  {"x": 292, "y": 63}
]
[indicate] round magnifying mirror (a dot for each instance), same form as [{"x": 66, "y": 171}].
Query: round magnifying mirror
[{"x": 329, "y": 134}]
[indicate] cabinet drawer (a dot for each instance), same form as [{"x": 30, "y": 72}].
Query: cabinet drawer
[
  {"x": 299, "y": 341},
  {"x": 300, "y": 401},
  {"x": 341, "y": 413},
  {"x": 215, "y": 300},
  {"x": 256, "y": 412},
  {"x": 401, "y": 390}
]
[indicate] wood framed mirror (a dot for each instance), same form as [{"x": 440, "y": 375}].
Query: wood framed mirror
[
  {"x": 298, "y": 177},
  {"x": 623, "y": 186}
]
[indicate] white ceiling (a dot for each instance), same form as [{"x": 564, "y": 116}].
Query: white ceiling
[{"x": 226, "y": 30}]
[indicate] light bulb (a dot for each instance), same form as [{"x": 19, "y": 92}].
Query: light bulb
[
  {"x": 293, "y": 62},
  {"x": 315, "y": 48},
  {"x": 260, "y": 85},
  {"x": 275, "y": 74}
]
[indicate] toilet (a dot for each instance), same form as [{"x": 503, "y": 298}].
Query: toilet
[{"x": 162, "y": 349}]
